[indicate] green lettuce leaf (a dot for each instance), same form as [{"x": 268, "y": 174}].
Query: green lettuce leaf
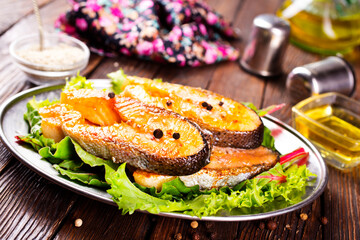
[
  {"x": 32, "y": 117},
  {"x": 129, "y": 198},
  {"x": 74, "y": 165},
  {"x": 253, "y": 193},
  {"x": 268, "y": 139},
  {"x": 78, "y": 82},
  {"x": 87, "y": 178},
  {"x": 117, "y": 80},
  {"x": 90, "y": 159},
  {"x": 64, "y": 150}
]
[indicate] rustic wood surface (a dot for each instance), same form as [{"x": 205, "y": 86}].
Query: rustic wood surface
[{"x": 32, "y": 207}]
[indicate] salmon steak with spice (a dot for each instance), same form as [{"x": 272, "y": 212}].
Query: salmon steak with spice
[
  {"x": 231, "y": 123},
  {"x": 126, "y": 130}
]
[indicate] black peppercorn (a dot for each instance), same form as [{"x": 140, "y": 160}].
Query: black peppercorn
[
  {"x": 209, "y": 107},
  {"x": 176, "y": 136},
  {"x": 111, "y": 95},
  {"x": 221, "y": 103},
  {"x": 168, "y": 103},
  {"x": 158, "y": 133},
  {"x": 205, "y": 104}
]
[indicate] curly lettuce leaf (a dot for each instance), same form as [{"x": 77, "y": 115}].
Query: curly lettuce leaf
[
  {"x": 117, "y": 80},
  {"x": 64, "y": 150},
  {"x": 33, "y": 118},
  {"x": 78, "y": 82},
  {"x": 268, "y": 139},
  {"x": 129, "y": 198},
  {"x": 87, "y": 178},
  {"x": 90, "y": 159},
  {"x": 253, "y": 193}
]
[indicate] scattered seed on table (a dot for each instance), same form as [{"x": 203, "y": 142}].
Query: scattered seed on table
[
  {"x": 194, "y": 224},
  {"x": 304, "y": 216},
  {"x": 78, "y": 222},
  {"x": 324, "y": 220}
]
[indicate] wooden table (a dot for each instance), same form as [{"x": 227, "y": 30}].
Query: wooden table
[{"x": 32, "y": 207}]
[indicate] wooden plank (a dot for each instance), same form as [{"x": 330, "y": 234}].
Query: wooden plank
[
  {"x": 341, "y": 205},
  {"x": 31, "y": 207},
  {"x": 130, "y": 65},
  {"x": 102, "y": 221},
  {"x": 5, "y": 157},
  {"x": 12, "y": 11}
]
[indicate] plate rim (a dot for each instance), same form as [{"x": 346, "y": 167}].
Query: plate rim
[{"x": 74, "y": 187}]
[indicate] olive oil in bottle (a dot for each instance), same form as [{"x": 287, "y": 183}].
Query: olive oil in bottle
[
  {"x": 336, "y": 133},
  {"x": 327, "y": 27}
]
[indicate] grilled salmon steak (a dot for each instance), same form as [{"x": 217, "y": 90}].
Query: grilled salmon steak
[
  {"x": 146, "y": 137},
  {"x": 232, "y": 123},
  {"x": 228, "y": 167}
]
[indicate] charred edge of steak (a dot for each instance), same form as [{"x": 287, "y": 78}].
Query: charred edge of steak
[{"x": 236, "y": 139}]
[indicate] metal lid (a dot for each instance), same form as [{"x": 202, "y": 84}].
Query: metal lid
[
  {"x": 332, "y": 74},
  {"x": 265, "y": 50}
]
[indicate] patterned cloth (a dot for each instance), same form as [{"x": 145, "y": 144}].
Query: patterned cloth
[{"x": 184, "y": 32}]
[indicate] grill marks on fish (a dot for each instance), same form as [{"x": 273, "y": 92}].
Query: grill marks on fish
[
  {"x": 228, "y": 167},
  {"x": 131, "y": 138},
  {"x": 232, "y": 123}
]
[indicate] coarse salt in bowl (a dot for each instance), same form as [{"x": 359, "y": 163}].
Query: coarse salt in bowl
[{"x": 62, "y": 56}]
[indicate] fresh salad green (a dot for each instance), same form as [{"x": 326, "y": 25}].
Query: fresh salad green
[{"x": 282, "y": 185}]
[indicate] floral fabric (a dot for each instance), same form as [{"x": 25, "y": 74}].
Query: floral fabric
[{"x": 184, "y": 32}]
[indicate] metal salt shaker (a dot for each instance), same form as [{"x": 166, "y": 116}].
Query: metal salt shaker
[
  {"x": 333, "y": 74},
  {"x": 265, "y": 50}
]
